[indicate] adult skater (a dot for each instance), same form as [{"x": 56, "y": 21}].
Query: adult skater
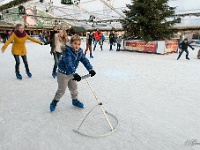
[
  {"x": 184, "y": 47},
  {"x": 89, "y": 44},
  {"x": 97, "y": 36},
  {"x": 52, "y": 33},
  {"x": 67, "y": 75},
  {"x": 103, "y": 38},
  {"x": 111, "y": 40},
  {"x": 57, "y": 43},
  {"x": 18, "y": 48}
]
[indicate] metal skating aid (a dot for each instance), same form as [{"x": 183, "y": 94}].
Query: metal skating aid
[{"x": 105, "y": 113}]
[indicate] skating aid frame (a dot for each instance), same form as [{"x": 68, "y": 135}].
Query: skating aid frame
[{"x": 105, "y": 113}]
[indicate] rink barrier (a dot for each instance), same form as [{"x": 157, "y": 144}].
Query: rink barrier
[{"x": 156, "y": 47}]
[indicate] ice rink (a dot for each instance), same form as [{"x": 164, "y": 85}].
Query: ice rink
[{"x": 155, "y": 98}]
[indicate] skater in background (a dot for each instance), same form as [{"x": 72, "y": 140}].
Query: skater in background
[
  {"x": 119, "y": 40},
  {"x": 89, "y": 44},
  {"x": 103, "y": 38},
  {"x": 67, "y": 75},
  {"x": 198, "y": 54},
  {"x": 93, "y": 38},
  {"x": 58, "y": 43},
  {"x": 18, "y": 48},
  {"x": 184, "y": 47},
  {"x": 4, "y": 36},
  {"x": 52, "y": 33},
  {"x": 55, "y": 30},
  {"x": 111, "y": 40},
  {"x": 97, "y": 36}
]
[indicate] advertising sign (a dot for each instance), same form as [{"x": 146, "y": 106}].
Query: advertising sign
[
  {"x": 171, "y": 46},
  {"x": 140, "y": 46}
]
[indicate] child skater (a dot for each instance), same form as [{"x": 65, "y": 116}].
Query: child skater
[
  {"x": 58, "y": 41},
  {"x": 18, "y": 48},
  {"x": 89, "y": 44},
  {"x": 184, "y": 47},
  {"x": 67, "y": 75},
  {"x": 119, "y": 40}
]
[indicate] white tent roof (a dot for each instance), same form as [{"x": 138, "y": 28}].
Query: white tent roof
[{"x": 106, "y": 12}]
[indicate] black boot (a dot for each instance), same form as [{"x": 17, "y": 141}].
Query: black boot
[
  {"x": 54, "y": 74},
  {"x": 91, "y": 55}
]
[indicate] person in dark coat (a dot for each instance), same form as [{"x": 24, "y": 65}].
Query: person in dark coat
[
  {"x": 89, "y": 38},
  {"x": 184, "y": 47},
  {"x": 111, "y": 40},
  {"x": 4, "y": 36},
  {"x": 52, "y": 33}
]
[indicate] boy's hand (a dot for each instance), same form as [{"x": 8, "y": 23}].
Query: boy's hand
[
  {"x": 92, "y": 73},
  {"x": 77, "y": 77}
]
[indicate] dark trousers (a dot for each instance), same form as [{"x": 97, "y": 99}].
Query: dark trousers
[
  {"x": 118, "y": 46},
  {"x": 111, "y": 44},
  {"x": 24, "y": 58},
  {"x": 181, "y": 52},
  {"x": 56, "y": 56},
  {"x": 5, "y": 39}
]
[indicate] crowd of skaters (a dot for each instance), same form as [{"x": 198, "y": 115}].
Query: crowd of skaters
[
  {"x": 72, "y": 54},
  {"x": 67, "y": 54},
  {"x": 57, "y": 38}
]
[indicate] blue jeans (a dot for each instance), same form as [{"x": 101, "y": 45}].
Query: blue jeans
[
  {"x": 95, "y": 43},
  {"x": 181, "y": 52},
  {"x": 118, "y": 46}
]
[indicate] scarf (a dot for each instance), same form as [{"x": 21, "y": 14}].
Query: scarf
[{"x": 19, "y": 34}]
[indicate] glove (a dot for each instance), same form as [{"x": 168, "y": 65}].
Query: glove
[
  {"x": 77, "y": 77},
  {"x": 192, "y": 48},
  {"x": 92, "y": 73}
]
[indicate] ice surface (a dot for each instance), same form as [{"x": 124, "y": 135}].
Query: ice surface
[{"x": 155, "y": 98}]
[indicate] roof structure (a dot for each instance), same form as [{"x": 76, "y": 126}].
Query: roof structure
[{"x": 104, "y": 14}]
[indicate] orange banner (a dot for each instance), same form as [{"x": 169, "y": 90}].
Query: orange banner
[
  {"x": 171, "y": 46},
  {"x": 140, "y": 46}
]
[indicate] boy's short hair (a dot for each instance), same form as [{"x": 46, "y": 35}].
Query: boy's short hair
[
  {"x": 185, "y": 39},
  {"x": 75, "y": 37}
]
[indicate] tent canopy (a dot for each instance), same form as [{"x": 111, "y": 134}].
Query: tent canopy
[{"x": 103, "y": 14}]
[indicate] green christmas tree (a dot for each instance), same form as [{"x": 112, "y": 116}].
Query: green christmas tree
[{"x": 149, "y": 19}]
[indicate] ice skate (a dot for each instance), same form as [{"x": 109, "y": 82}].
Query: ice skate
[
  {"x": 77, "y": 103},
  {"x": 53, "y": 105},
  {"x": 19, "y": 76}
]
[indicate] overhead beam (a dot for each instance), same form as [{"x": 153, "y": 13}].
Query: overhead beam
[
  {"x": 111, "y": 7},
  {"x": 69, "y": 23},
  {"x": 85, "y": 11}
]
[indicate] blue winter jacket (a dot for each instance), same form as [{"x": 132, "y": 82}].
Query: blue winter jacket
[{"x": 70, "y": 60}]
